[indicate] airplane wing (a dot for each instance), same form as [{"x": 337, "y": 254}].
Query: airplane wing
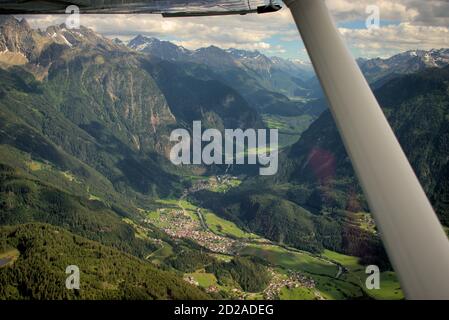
[{"x": 168, "y": 8}]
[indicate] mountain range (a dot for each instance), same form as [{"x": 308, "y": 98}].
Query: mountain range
[
  {"x": 220, "y": 58},
  {"x": 270, "y": 85},
  {"x": 380, "y": 70},
  {"x": 417, "y": 108}
]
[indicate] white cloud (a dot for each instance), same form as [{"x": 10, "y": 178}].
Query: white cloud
[
  {"x": 420, "y": 24},
  {"x": 347, "y": 10},
  {"x": 428, "y": 12},
  {"x": 239, "y": 29},
  {"x": 391, "y": 39}
]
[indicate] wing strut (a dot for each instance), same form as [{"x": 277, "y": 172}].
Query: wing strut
[{"x": 414, "y": 239}]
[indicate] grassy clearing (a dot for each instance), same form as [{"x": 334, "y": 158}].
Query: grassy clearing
[
  {"x": 335, "y": 289},
  {"x": 224, "y": 227},
  {"x": 389, "y": 288},
  {"x": 36, "y": 165},
  {"x": 389, "y": 284},
  {"x": 285, "y": 124},
  {"x": 167, "y": 202},
  {"x": 290, "y": 128},
  {"x": 69, "y": 176},
  {"x": 222, "y": 257},
  {"x": 158, "y": 256},
  {"x": 204, "y": 279},
  {"x": 274, "y": 122},
  {"x": 300, "y": 293},
  {"x": 253, "y": 296},
  {"x": 298, "y": 261},
  {"x": 140, "y": 232},
  {"x": 8, "y": 257},
  {"x": 189, "y": 209},
  {"x": 94, "y": 197},
  {"x": 365, "y": 221},
  {"x": 347, "y": 261},
  {"x": 155, "y": 217}
]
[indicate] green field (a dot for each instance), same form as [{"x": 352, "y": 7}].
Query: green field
[
  {"x": 167, "y": 202},
  {"x": 320, "y": 270},
  {"x": 69, "y": 176},
  {"x": 36, "y": 165},
  {"x": 290, "y": 128},
  {"x": 300, "y": 293},
  {"x": 389, "y": 287},
  {"x": 222, "y": 257},
  {"x": 389, "y": 284},
  {"x": 204, "y": 279},
  {"x": 159, "y": 255},
  {"x": 224, "y": 227},
  {"x": 7, "y": 257},
  {"x": 139, "y": 231},
  {"x": 298, "y": 261},
  {"x": 94, "y": 197},
  {"x": 323, "y": 270},
  {"x": 347, "y": 261},
  {"x": 335, "y": 289},
  {"x": 154, "y": 215},
  {"x": 189, "y": 209}
]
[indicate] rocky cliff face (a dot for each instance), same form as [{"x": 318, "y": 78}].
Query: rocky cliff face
[
  {"x": 95, "y": 79},
  {"x": 18, "y": 42},
  {"x": 106, "y": 104}
]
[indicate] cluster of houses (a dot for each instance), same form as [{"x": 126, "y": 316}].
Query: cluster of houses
[
  {"x": 177, "y": 224},
  {"x": 191, "y": 280},
  {"x": 294, "y": 280}
]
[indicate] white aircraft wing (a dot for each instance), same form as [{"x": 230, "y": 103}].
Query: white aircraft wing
[{"x": 167, "y": 8}]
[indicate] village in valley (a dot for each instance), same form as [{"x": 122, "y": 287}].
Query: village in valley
[
  {"x": 180, "y": 219},
  {"x": 290, "y": 276},
  {"x": 179, "y": 224}
]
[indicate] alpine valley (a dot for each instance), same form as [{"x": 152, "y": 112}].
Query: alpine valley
[{"x": 86, "y": 180}]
